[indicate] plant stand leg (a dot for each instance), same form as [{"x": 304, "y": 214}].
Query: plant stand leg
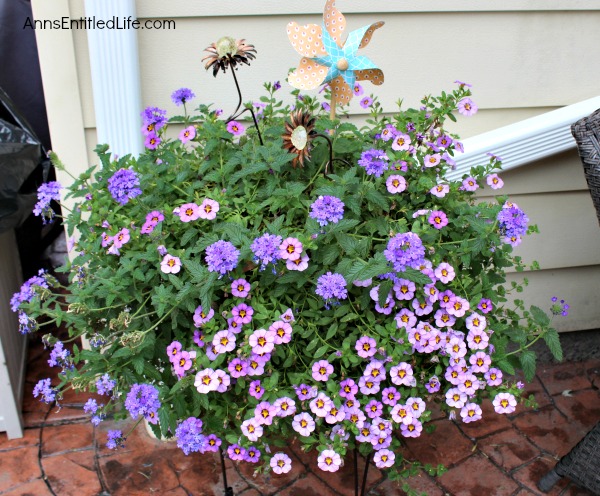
[
  {"x": 364, "y": 482},
  {"x": 228, "y": 490},
  {"x": 547, "y": 482}
]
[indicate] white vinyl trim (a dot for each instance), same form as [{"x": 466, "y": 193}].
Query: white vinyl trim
[
  {"x": 525, "y": 141},
  {"x": 115, "y": 72}
]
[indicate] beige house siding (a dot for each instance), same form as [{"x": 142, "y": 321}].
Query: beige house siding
[{"x": 523, "y": 58}]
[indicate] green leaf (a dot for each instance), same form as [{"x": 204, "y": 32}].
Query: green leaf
[
  {"x": 540, "y": 316},
  {"x": 182, "y": 384},
  {"x": 122, "y": 352},
  {"x": 527, "y": 359},
  {"x": 321, "y": 351},
  {"x": 384, "y": 290},
  {"x": 415, "y": 276},
  {"x": 506, "y": 366},
  {"x": 138, "y": 364},
  {"x": 552, "y": 339},
  {"x": 249, "y": 169}
]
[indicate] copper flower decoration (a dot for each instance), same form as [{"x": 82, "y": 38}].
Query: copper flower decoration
[
  {"x": 328, "y": 59},
  {"x": 298, "y": 136},
  {"x": 228, "y": 52}
]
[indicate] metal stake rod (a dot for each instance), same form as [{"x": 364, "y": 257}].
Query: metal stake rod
[
  {"x": 236, "y": 114},
  {"x": 228, "y": 490},
  {"x": 364, "y": 483},
  {"x": 355, "y": 472}
]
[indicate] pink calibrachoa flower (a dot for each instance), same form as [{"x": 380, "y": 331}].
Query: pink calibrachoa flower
[
  {"x": 189, "y": 212},
  {"x": 224, "y": 341},
  {"x": 235, "y": 128},
  {"x": 321, "y": 370},
  {"x": 240, "y": 288},
  {"x": 208, "y": 209},
  {"x": 493, "y": 377},
  {"x": 401, "y": 142},
  {"x": 456, "y": 398},
  {"x": 238, "y": 367},
  {"x": 388, "y": 132},
  {"x": 467, "y": 107},
  {"x": 290, "y": 249},
  {"x": 471, "y": 412},
  {"x": 348, "y": 388},
  {"x": 366, "y": 347},
  {"x": 395, "y": 184},
  {"x": 457, "y": 306},
  {"x": 252, "y": 429},
  {"x": 152, "y": 141},
  {"x": 321, "y": 405},
  {"x": 438, "y": 219},
  {"x": 412, "y": 429},
  {"x": 440, "y": 190},
  {"x": 262, "y": 341},
  {"x": 477, "y": 340},
  {"x": 187, "y": 134},
  {"x": 445, "y": 272},
  {"x": 121, "y": 238},
  {"x": 470, "y": 184},
  {"x": 282, "y": 330},
  {"x": 206, "y": 381},
  {"x": 280, "y": 463},
  {"x": 358, "y": 89},
  {"x": 242, "y": 313},
  {"x": 476, "y": 322},
  {"x": 480, "y": 362},
  {"x": 375, "y": 370},
  {"x": 303, "y": 424},
  {"x": 285, "y": 406},
  {"x": 404, "y": 289},
  {"x": 485, "y": 305},
  {"x": 300, "y": 264},
  {"x": 374, "y": 409},
  {"x": 402, "y": 374},
  {"x": 390, "y": 396},
  {"x": 170, "y": 264},
  {"x": 155, "y": 217},
  {"x": 494, "y": 181},
  {"x": 234, "y": 325},
  {"x": 252, "y": 455},
  {"x": 368, "y": 386},
  {"x": 106, "y": 240},
  {"x": 431, "y": 160},
  {"x": 212, "y": 443},
  {"x": 366, "y": 102},
  {"x": 174, "y": 350},
  {"x": 416, "y": 405},
  {"x": 183, "y": 362},
  {"x": 329, "y": 461},
  {"x": 264, "y": 413},
  {"x": 384, "y": 458},
  {"x": 443, "y": 318},
  {"x": 201, "y": 317},
  {"x": 224, "y": 380},
  {"x": 335, "y": 415},
  {"x": 256, "y": 389},
  {"x": 505, "y": 403},
  {"x": 236, "y": 452}
]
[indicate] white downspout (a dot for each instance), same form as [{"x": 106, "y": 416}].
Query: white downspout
[
  {"x": 524, "y": 141},
  {"x": 115, "y": 77}
]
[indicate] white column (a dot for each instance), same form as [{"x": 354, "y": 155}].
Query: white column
[{"x": 115, "y": 77}]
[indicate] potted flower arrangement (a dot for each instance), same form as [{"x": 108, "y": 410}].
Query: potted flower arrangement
[{"x": 240, "y": 285}]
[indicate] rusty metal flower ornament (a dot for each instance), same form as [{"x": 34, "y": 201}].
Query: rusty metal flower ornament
[
  {"x": 228, "y": 52},
  {"x": 328, "y": 59},
  {"x": 299, "y": 133}
]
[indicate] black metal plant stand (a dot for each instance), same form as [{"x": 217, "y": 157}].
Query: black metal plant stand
[{"x": 229, "y": 490}]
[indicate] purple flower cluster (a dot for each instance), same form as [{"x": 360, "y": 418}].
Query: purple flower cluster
[
  {"x": 405, "y": 250},
  {"x": 124, "y": 185},
  {"x": 154, "y": 118},
  {"x": 326, "y": 209},
  {"x": 559, "y": 308},
  {"x": 189, "y": 436},
  {"x": 60, "y": 357},
  {"x": 26, "y": 323},
  {"x": 45, "y": 390},
  {"x": 46, "y": 193},
  {"x": 374, "y": 161},
  {"x": 182, "y": 96},
  {"x": 332, "y": 287},
  {"x": 512, "y": 223},
  {"x": 105, "y": 384},
  {"x": 27, "y": 291},
  {"x": 143, "y": 400},
  {"x": 115, "y": 439},
  {"x": 222, "y": 257},
  {"x": 266, "y": 249}
]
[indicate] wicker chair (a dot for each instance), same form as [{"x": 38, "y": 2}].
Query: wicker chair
[
  {"x": 580, "y": 465},
  {"x": 587, "y": 135}
]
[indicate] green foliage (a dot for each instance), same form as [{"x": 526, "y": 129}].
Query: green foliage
[{"x": 135, "y": 309}]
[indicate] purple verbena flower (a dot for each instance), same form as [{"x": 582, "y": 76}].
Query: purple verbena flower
[
  {"x": 45, "y": 390},
  {"x": 189, "y": 436},
  {"x": 374, "y": 161},
  {"x": 265, "y": 249},
  {"x": 182, "y": 96},
  {"x": 46, "y": 193},
  {"x": 326, "y": 209},
  {"x": 124, "y": 185},
  {"x": 115, "y": 440},
  {"x": 331, "y": 287},
  {"x": 142, "y": 400},
  {"x": 222, "y": 257},
  {"x": 405, "y": 250}
]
